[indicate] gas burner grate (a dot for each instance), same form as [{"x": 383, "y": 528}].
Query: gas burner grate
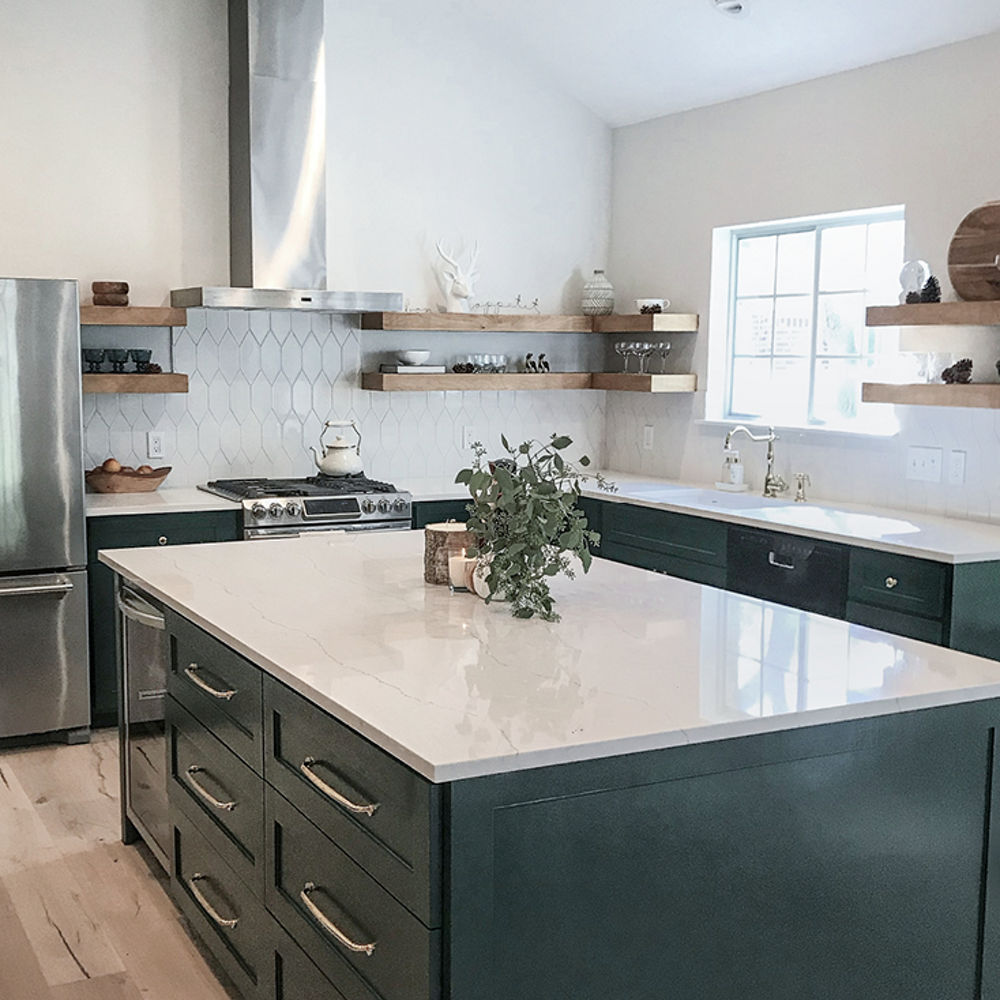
[
  {"x": 314, "y": 486},
  {"x": 351, "y": 484}
]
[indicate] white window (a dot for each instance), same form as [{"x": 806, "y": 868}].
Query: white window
[{"x": 797, "y": 348}]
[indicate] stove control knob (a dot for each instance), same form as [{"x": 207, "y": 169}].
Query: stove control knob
[
  {"x": 384, "y": 506},
  {"x": 258, "y": 510},
  {"x": 368, "y": 506},
  {"x": 276, "y": 510},
  {"x": 399, "y": 506},
  {"x": 293, "y": 509}
]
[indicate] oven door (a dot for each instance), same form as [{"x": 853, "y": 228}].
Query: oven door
[
  {"x": 143, "y": 734},
  {"x": 291, "y": 531}
]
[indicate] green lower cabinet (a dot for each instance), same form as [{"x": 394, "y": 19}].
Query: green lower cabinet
[
  {"x": 911, "y": 626},
  {"x": 434, "y": 511},
  {"x": 129, "y": 532}
]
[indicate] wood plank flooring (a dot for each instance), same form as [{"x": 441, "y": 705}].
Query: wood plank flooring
[{"x": 82, "y": 916}]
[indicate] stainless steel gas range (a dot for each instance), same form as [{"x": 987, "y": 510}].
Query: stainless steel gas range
[{"x": 274, "y": 508}]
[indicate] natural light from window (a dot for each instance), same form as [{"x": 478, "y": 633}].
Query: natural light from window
[{"x": 797, "y": 347}]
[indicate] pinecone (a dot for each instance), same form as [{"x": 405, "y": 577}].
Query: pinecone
[
  {"x": 912, "y": 298},
  {"x": 931, "y": 292},
  {"x": 960, "y": 373}
]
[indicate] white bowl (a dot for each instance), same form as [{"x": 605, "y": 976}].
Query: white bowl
[
  {"x": 412, "y": 357},
  {"x": 651, "y": 304}
]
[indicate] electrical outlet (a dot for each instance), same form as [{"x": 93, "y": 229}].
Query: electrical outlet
[
  {"x": 956, "y": 468},
  {"x": 469, "y": 436},
  {"x": 154, "y": 444},
  {"x": 647, "y": 437},
  {"x": 924, "y": 464}
]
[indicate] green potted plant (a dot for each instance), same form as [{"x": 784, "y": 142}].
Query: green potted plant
[{"x": 526, "y": 522}]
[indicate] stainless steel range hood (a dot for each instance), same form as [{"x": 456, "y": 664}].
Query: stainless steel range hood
[{"x": 277, "y": 167}]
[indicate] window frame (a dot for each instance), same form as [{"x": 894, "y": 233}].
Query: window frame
[{"x": 777, "y": 228}]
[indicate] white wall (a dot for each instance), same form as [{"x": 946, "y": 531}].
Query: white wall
[
  {"x": 114, "y": 155},
  {"x": 433, "y": 135},
  {"x": 921, "y": 131}
]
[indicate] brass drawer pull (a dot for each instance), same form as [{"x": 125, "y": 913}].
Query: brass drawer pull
[
  {"x": 199, "y": 896},
  {"x": 191, "y": 673},
  {"x": 204, "y": 792},
  {"x": 306, "y": 767},
  {"x": 891, "y": 582},
  {"x": 328, "y": 925}
]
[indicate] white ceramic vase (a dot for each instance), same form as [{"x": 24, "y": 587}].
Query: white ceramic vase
[{"x": 598, "y": 296}]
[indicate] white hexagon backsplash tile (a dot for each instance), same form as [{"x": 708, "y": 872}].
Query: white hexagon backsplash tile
[{"x": 262, "y": 384}]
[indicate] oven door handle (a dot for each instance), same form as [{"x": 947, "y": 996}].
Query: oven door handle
[{"x": 133, "y": 607}]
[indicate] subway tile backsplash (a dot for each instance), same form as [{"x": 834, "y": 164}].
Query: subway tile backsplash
[{"x": 262, "y": 384}]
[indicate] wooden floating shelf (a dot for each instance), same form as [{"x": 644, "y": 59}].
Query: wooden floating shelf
[
  {"x": 111, "y": 382},
  {"x": 935, "y": 314},
  {"x": 621, "y": 381},
  {"x": 627, "y": 382},
  {"x": 132, "y": 316},
  {"x": 474, "y": 322},
  {"x": 984, "y": 395},
  {"x": 647, "y": 323}
]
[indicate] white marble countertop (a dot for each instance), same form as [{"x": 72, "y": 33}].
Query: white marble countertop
[
  {"x": 927, "y": 536},
  {"x": 457, "y": 688},
  {"x": 168, "y": 500}
]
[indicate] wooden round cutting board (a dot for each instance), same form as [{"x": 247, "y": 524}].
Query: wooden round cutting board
[{"x": 974, "y": 254}]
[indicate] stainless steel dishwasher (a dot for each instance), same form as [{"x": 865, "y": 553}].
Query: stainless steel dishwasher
[{"x": 143, "y": 687}]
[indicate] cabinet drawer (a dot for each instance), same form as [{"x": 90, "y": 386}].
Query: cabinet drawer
[
  {"x": 663, "y": 533},
  {"x": 433, "y": 511},
  {"x": 902, "y": 583},
  {"x": 290, "y": 975},
  {"x": 324, "y": 767},
  {"x": 362, "y": 938},
  {"x": 218, "y": 687},
  {"x": 221, "y": 795},
  {"x": 912, "y": 626},
  {"x": 221, "y": 908}
]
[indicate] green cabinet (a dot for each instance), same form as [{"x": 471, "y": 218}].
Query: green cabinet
[
  {"x": 693, "y": 548},
  {"x": 434, "y": 511},
  {"x": 130, "y": 531}
]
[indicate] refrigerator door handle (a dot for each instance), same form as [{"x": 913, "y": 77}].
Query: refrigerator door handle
[
  {"x": 60, "y": 586},
  {"x": 132, "y": 606}
]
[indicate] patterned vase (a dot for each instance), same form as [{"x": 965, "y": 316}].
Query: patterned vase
[{"x": 598, "y": 296}]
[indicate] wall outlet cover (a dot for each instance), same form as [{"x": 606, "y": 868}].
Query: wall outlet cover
[
  {"x": 923, "y": 465},
  {"x": 956, "y": 468},
  {"x": 469, "y": 436},
  {"x": 154, "y": 444},
  {"x": 647, "y": 437}
]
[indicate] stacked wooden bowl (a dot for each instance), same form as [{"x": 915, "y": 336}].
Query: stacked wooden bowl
[{"x": 110, "y": 293}]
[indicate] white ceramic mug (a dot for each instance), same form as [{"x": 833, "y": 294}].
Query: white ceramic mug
[{"x": 664, "y": 304}]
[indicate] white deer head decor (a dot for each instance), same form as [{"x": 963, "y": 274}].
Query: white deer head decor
[{"x": 457, "y": 284}]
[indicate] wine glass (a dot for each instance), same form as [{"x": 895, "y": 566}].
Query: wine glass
[
  {"x": 645, "y": 350},
  {"x": 663, "y": 350},
  {"x": 620, "y": 349}
]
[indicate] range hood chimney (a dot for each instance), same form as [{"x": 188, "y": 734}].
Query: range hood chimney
[{"x": 277, "y": 166}]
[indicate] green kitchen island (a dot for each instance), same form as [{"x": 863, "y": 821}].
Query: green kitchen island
[{"x": 379, "y": 789}]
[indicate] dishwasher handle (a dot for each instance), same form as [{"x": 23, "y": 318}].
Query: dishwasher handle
[
  {"x": 133, "y": 607},
  {"x": 773, "y": 560}
]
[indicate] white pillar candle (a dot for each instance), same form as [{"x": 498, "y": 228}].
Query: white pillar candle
[{"x": 456, "y": 570}]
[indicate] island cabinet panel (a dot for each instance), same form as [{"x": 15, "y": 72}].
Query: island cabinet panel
[
  {"x": 975, "y": 622},
  {"x": 434, "y": 511},
  {"x": 385, "y": 816},
  {"x": 218, "y": 687},
  {"x": 991, "y": 908},
  {"x": 362, "y": 938},
  {"x": 128, "y": 532},
  {"x": 290, "y": 975},
  {"x": 220, "y": 794},
  {"x": 692, "y": 548},
  {"x": 226, "y": 915},
  {"x": 840, "y": 861}
]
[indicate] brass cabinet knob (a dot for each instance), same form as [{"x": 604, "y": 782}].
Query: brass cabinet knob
[
  {"x": 162, "y": 540},
  {"x": 890, "y": 582}
]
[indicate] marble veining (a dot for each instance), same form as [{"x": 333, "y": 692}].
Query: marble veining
[{"x": 456, "y": 688}]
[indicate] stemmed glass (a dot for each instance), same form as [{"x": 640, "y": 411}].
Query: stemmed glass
[
  {"x": 621, "y": 349},
  {"x": 663, "y": 350},
  {"x": 644, "y": 350}
]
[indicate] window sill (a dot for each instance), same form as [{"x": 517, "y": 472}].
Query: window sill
[{"x": 883, "y": 433}]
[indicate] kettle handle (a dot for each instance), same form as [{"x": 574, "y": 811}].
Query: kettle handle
[{"x": 341, "y": 423}]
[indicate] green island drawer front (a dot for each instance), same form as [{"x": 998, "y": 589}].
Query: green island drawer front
[
  {"x": 221, "y": 909},
  {"x": 290, "y": 975},
  {"x": 901, "y": 583},
  {"x": 220, "y": 794},
  {"x": 362, "y": 938},
  {"x": 377, "y": 810},
  {"x": 664, "y": 533},
  {"x": 218, "y": 687},
  {"x": 887, "y": 620},
  {"x": 433, "y": 511}
]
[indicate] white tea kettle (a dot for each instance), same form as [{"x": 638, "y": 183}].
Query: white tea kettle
[{"x": 340, "y": 457}]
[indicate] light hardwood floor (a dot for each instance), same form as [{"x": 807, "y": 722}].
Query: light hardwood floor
[{"x": 82, "y": 916}]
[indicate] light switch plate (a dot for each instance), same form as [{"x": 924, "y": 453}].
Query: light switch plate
[
  {"x": 923, "y": 465},
  {"x": 469, "y": 436},
  {"x": 154, "y": 444}
]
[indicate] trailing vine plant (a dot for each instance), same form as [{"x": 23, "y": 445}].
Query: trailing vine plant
[{"x": 526, "y": 522}]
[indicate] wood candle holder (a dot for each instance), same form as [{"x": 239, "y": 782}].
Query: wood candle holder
[{"x": 441, "y": 541}]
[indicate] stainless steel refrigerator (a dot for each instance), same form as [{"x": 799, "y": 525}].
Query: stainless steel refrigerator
[{"x": 44, "y": 672}]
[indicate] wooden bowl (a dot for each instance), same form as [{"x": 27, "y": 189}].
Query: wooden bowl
[{"x": 126, "y": 482}]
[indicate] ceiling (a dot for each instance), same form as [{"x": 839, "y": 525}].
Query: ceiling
[{"x": 629, "y": 60}]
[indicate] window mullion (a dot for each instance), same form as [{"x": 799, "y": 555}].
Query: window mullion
[{"x": 817, "y": 243}]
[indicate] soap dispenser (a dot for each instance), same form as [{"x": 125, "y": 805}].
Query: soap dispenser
[{"x": 732, "y": 471}]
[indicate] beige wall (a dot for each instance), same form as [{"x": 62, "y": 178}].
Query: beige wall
[
  {"x": 923, "y": 131},
  {"x": 114, "y": 155}
]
